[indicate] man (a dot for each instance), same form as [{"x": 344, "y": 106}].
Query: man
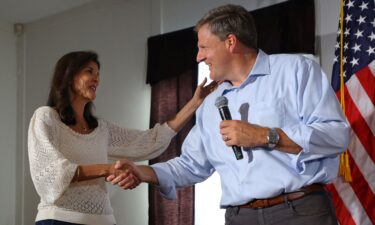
[{"x": 285, "y": 118}]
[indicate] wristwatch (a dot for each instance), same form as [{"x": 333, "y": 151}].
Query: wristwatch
[{"x": 273, "y": 138}]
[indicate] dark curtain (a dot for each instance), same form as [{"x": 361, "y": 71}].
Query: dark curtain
[
  {"x": 288, "y": 27},
  {"x": 167, "y": 98},
  {"x": 171, "y": 54}
]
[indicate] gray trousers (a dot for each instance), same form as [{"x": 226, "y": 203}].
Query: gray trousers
[{"x": 313, "y": 209}]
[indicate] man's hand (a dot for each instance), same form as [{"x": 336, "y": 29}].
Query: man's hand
[
  {"x": 240, "y": 133},
  {"x": 136, "y": 175},
  {"x": 244, "y": 134},
  {"x": 124, "y": 174}
]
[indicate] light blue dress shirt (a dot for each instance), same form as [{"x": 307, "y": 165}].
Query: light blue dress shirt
[{"x": 284, "y": 91}]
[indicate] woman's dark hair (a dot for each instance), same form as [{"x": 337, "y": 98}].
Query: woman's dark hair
[{"x": 66, "y": 69}]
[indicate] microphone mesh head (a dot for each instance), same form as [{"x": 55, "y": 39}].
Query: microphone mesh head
[{"x": 221, "y": 101}]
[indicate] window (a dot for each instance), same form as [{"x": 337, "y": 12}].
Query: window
[{"x": 208, "y": 193}]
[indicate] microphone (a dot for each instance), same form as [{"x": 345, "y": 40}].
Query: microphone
[{"x": 222, "y": 105}]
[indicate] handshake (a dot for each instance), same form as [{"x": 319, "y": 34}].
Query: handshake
[{"x": 127, "y": 175}]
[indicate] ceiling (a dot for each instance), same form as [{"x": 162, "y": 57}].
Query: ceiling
[{"x": 26, "y": 11}]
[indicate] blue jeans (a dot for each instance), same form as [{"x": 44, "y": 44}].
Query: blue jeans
[{"x": 54, "y": 222}]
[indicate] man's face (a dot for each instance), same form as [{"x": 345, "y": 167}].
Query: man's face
[{"x": 214, "y": 53}]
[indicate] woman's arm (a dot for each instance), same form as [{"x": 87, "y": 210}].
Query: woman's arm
[
  {"x": 88, "y": 172},
  {"x": 50, "y": 170},
  {"x": 139, "y": 145}
]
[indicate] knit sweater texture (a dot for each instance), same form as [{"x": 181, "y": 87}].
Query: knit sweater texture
[{"x": 55, "y": 151}]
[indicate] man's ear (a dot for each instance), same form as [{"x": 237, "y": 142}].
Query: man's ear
[{"x": 231, "y": 42}]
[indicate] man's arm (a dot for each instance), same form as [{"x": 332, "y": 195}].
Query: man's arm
[
  {"x": 190, "y": 168},
  {"x": 248, "y": 135}
]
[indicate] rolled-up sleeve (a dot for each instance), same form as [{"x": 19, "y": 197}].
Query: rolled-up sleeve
[{"x": 323, "y": 130}]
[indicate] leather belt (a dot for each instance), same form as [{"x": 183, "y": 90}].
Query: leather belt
[{"x": 264, "y": 203}]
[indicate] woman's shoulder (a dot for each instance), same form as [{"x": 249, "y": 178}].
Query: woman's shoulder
[
  {"x": 46, "y": 113},
  {"x": 108, "y": 125},
  {"x": 45, "y": 110},
  {"x": 104, "y": 125}
]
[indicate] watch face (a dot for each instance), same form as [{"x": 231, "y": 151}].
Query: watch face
[{"x": 273, "y": 138}]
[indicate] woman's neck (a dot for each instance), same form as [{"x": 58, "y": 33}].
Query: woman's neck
[
  {"x": 81, "y": 125},
  {"x": 79, "y": 108}
]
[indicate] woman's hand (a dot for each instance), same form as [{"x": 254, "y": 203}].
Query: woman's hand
[
  {"x": 202, "y": 91},
  {"x": 124, "y": 174},
  {"x": 183, "y": 116}
]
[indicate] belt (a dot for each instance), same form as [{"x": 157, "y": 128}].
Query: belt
[{"x": 291, "y": 196}]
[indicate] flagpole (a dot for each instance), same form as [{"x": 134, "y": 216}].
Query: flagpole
[{"x": 344, "y": 167}]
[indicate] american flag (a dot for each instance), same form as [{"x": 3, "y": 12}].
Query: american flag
[{"x": 355, "y": 201}]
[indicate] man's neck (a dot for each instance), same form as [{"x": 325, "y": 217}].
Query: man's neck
[{"x": 243, "y": 65}]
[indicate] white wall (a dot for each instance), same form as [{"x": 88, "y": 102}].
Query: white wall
[
  {"x": 327, "y": 18},
  {"x": 8, "y": 123},
  {"x": 118, "y": 31},
  {"x": 181, "y": 14}
]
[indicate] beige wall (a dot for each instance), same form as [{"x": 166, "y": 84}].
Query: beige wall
[{"x": 8, "y": 123}]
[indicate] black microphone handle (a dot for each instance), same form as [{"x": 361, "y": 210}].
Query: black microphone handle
[
  {"x": 237, "y": 152},
  {"x": 225, "y": 115}
]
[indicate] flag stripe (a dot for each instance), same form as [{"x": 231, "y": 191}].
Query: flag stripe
[
  {"x": 362, "y": 190},
  {"x": 367, "y": 80},
  {"x": 359, "y": 125},
  {"x": 365, "y": 164},
  {"x": 362, "y": 101},
  {"x": 352, "y": 203},
  {"x": 372, "y": 67},
  {"x": 342, "y": 213}
]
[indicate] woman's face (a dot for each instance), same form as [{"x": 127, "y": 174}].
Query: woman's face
[{"x": 86, "y": 82}]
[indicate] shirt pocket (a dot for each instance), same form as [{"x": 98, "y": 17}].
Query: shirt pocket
[{"x": 268, "y": 113}]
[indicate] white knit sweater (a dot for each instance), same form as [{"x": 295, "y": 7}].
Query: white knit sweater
[{"x": 55, "y": 151}]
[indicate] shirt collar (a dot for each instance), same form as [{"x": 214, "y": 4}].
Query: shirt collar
[{"x": 261, "y": 67}]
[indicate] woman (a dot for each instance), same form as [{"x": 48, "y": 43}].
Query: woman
[{"x": 68, "y": 146}]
